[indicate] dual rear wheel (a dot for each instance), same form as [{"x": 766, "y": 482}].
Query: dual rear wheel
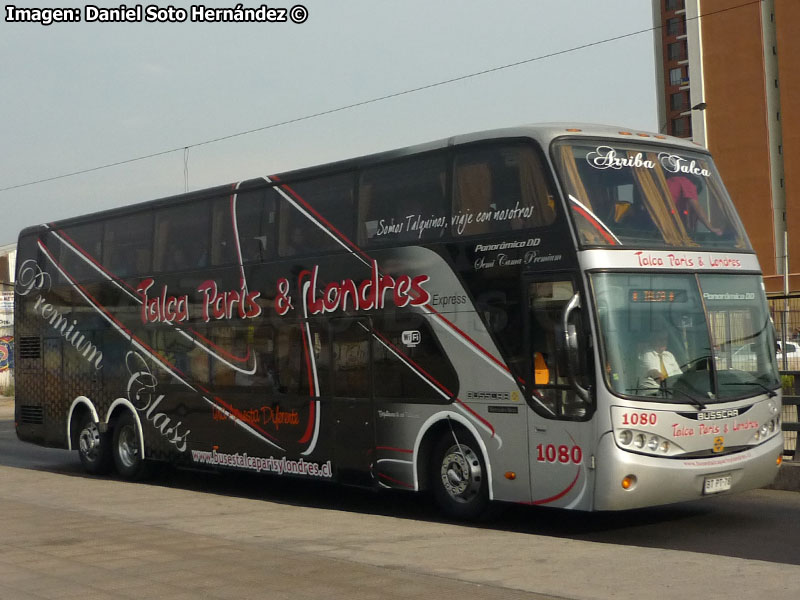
[{"x": 100, "y": 451}]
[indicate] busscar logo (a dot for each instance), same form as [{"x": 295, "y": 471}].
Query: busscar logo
[
  {"x": 496, "y": 396},
  {"x": 712, "y": 415}
]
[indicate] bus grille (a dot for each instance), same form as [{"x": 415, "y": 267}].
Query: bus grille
[
  {"x": 31, "y": 415},
  {"x": 30, "y": 347}
]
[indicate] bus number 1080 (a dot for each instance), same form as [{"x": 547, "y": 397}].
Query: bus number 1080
[
  {"x": 563, "y": 454},
  {"x": 639, "y": 418}
]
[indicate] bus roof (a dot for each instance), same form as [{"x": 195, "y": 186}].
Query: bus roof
[{"x": 544, "y": 133}]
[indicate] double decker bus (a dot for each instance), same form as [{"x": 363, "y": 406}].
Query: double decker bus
[{"x": 548, "y": 315}]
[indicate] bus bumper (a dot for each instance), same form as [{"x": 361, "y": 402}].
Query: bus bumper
[{"x": 664, "y": 481}]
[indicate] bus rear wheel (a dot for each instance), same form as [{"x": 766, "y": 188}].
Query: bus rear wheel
[
  {"x": 458, "y": 476},
  {"x": 94, "y": 447},
  {"x": 127, "y": 450}
]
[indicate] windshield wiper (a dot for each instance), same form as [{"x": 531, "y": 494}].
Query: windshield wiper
[
  {"x": 665, "y": 392},
  {"x": 770, "y": 393},
  {"x": 694, "y": 401}
]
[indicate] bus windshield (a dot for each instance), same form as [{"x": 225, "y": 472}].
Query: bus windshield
[
  {"x": 685, "y": 338},
  {"x": 621, "y": 194}
]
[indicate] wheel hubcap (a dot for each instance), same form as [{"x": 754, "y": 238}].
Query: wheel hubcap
[
  {"x": 127, "y": 447},
  {"x": 461, "y": 473},
  {"x": 89, "y": 441}
]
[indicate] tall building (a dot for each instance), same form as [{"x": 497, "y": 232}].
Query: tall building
[{"x": 727, "y": 77}]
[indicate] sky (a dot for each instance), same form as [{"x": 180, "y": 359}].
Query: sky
[{"x": 78, "y": 96}]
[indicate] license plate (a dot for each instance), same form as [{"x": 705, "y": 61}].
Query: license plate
[{"x": 716, "y": 484}]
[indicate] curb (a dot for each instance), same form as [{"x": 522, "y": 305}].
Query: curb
[{"x": 788, "y": 478}]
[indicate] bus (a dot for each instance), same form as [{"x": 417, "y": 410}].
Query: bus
[{"x": 551, "y": 315}]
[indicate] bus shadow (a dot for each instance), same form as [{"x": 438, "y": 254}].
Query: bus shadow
[{"x": 684, "y": 526}]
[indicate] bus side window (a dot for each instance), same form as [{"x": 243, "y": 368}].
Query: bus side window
[
  {"x": 303, "y": 232},
  {"x": 223, "y": 247},
  {"x": 292, "y": 359},
  {"x": 404, "y": 201},
  {"x": 128, "y": 244},
  {"x": 181, "y": 242},
  {"x": 403, "y": 339},
  {"x": 500, "y": 187},
  {"x": 88, "y": 237},
  {"x": 255, "y": 224}
]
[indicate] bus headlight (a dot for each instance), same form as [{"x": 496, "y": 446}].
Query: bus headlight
[{"x": 647, "y": 442}]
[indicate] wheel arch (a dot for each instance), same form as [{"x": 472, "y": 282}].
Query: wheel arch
[
  {"x": 79, "y": 406},
  {"x": 123, "y": 404},
  {"x": 431, "y": 430}
]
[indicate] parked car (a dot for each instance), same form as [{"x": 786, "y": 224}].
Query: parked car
[
  {"x": 744, "y": 357},
  {"x": 792, "y": 356}
]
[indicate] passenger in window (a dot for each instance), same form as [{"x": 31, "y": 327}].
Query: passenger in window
[
  {"x": 176, "y": 258},
  {"x": 296, "y": 244},
  {"x": 685, "y": 197}
]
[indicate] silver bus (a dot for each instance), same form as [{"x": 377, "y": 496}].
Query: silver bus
[{"x": 568, "y": 316}]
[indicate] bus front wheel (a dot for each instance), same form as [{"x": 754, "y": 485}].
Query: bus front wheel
[
  {"x": 127, "y": 449},
  {"x": 94, "y": 447},
  {"x": 458, "y": 476}
]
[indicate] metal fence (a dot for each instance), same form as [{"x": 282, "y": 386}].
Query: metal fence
[
  {"x": 785, "y": 312},
  {"x": 789, "y": 413}
]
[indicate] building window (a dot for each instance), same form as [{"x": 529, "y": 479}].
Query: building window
[
  {"x": 681, "y": 127},
  {"x": 671, "y": 5},
  {"x": 675, "y": 76},
  {"x": 679, "y": 101},
  {"x": 677, "y": 50},
  {"x": 676, "y": 26}
]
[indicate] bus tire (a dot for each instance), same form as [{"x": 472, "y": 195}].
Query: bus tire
[
  {"x": 94, "y": 447},
  {"x": 127, "y": 450},
  {"x": 458, "y": 476}
]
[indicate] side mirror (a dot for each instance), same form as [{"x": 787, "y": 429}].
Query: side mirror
[{"x": 570, "y": 347}]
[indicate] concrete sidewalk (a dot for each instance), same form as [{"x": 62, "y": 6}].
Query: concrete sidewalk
[
  {"x": 65, "y": 536},
  {"x": 73, "y": 537},
  {"x": 6, "y": 408}
]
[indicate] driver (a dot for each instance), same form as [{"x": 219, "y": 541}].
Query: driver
[{"x": 658, "y": 363}]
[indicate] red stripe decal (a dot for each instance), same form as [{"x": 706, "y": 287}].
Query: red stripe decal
[
  {"x": 390, "y": 449},
  {"x": 395, "y": 481},
  {"x": 309, "y": 428},
  {"x": 594, "y": 223},
  {"x": 561, "y": 494}
]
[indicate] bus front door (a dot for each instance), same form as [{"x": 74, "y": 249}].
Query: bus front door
[{"x": 559, "y": 424}]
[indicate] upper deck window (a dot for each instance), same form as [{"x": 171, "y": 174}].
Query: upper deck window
[
  {"x": 500, "y": 188},
  {"x": 128, "y": 244},
  {"x": 404, "y": 201},
  {"x": 315, "y": 214},
  {"x": 181, "y": 241},
  {"x": 646, "y": 196}
]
